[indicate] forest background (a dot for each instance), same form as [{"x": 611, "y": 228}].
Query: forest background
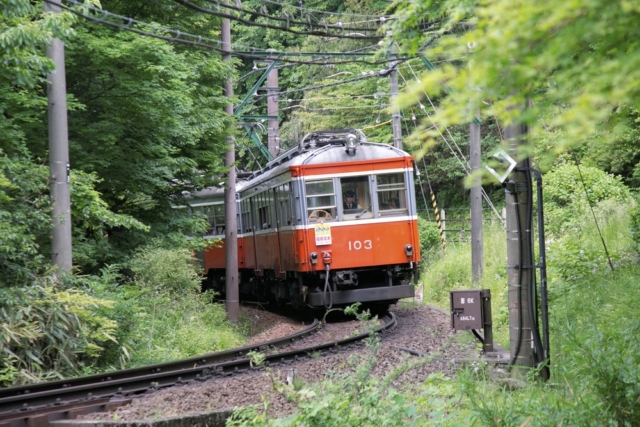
[{"x": 146, "y": 124}]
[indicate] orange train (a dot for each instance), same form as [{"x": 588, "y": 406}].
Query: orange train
[{"x": 331, "y": 221}]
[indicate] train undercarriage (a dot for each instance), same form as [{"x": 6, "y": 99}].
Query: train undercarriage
[{"x": 383, "y": 285}]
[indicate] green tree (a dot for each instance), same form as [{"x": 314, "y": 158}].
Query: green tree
[{"x": 577, "y": 62}]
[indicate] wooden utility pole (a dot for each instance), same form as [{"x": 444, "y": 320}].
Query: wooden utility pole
[
  {"x": 477, "y": 252},
  {"x": 230, "y": 208},
  {"x": 520, "y": 262},
  {"x": 59, "y": 169},
  {"x": 273, "y": 125},
  {"x": 395, "y": 118}
]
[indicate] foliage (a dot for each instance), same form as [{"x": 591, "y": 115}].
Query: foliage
[
  {"x": 49, "y": 332},
  {"x": 93, "y": 220},
  {"x": 569, "y": 191},
  {"x": 581, "y": 252},
  {"x": 24, "y": 219},
  {"x": 171, "y": 318},
  {"x": 594, "y": 359},
  {"x": 24, "y": 29},
  {"x": 165, "y": 271},
  {"x": 575, "y": 63},
  {"x": 152, "y": 122},
  {"x": 429, "y": 236},
  {"x": 634, "y": 225}
]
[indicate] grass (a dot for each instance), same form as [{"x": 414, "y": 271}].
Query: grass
[
  {"x": 452, "y": 270},
  {"x": 595, "y": 351}
]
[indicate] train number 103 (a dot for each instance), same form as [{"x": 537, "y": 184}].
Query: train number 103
[{"x": 357, "y": 245}]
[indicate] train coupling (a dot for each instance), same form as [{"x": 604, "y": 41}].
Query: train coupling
[{"x": 347, "y": 278}]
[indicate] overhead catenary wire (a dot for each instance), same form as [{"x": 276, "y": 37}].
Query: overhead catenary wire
[
  {"x": 465, "y": 164},
  {"x": 191, "y": 39},
  {"x": 319, "y": 23},
  {"x": 302, "y": 8},
  {"x": 341, "y": 82},
  {"x": 197, "y": 8}
]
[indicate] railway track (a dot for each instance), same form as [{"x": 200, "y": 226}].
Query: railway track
[{"x": 36, "y": 405}]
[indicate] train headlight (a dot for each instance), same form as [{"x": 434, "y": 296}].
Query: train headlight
[
  {"x": 408, "y": 249},
  {"x": 314, "y": 257},
  {"x": 351, "y": 143}
]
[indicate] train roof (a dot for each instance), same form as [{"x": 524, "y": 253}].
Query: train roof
[
  {"x": 327, "y": 147},
  {"x": 323, "y": 147}
]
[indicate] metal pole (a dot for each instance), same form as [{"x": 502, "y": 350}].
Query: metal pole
[
  {"x": 59, "y": 170},
  {"x": 477, "y": 254},
  {"x": 395, "y": 118},
  {"x": 520, "y": 265},
  {"x": 273, "y": 125},
  {"x": 230, "y": 208}
]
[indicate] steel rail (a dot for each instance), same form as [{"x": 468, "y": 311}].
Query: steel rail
[
  {"x": 6, "y": 394},
  {"x": 36, "y": 407}
]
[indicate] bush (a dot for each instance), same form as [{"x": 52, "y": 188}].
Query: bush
[
  {"x": 565, "y": 200},
  {"x": 429, "y": 236},
  {"x": 48, "y": 332},
  {"x": 576, "y": 256},
  {"x": 172, "y": 319},
  {"x": 165, "y": 272}
]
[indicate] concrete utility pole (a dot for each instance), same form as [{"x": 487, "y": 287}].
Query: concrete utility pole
[
  {"x": 395, "y": 118},
  {"x": 59, "y": 169},
  {"x": 520, "y": 263},
  {"x": 273, "y": 125},
  {"x": 477, "y": 253},
  {"x": 230, "y": 209}
]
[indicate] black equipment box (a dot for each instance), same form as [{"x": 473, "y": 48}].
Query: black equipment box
[{"x": 466, "y": 309}]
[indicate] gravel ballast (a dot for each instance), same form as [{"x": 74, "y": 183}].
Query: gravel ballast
[{"x": 422, "y": 331}]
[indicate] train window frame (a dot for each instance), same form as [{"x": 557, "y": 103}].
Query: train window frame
[
  {"x": 387, "y": 192},
  {"x": 219, "y": 215},
  {"x": 361, "y": 186},
  {"x": 209, "y": 214},
  {"x": 320, "y": 212},
  {"x": 283, "y": 205},
  {"x": 263, "y": 210},
  {"x": 247, "y": 223}
]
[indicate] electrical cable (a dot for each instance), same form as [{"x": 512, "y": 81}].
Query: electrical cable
[
  {"x": 197, "y": 8},
  {"x": 327, "y": 286},
  {"x": 533, "y": 305},
  {"x": 181, "y": 37},
  {"x": 301, "y": 8},
  {"x": 255, "y": 13},
  {"x": 586, "y": 193},
  {"x": 480, "y": 338},
  {"x": 519, "y": 292},
  {"x": 355, "y": 79},
  {"x": 464, "y": 164}
]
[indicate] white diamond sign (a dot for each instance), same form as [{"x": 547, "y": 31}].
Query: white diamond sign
[{"x": 502, "y": 157}]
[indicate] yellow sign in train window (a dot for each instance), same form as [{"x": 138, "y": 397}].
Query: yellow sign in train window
[{"x": 323, "y": 234}]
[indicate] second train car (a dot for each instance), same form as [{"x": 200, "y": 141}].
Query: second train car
[{"x": 332, "y": 221}]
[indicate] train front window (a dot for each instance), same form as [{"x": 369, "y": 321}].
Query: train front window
[
  {"x": 356, "y": 198},
  {"x": 321, "y": 201},
  {"x": 392, "y": 194}
]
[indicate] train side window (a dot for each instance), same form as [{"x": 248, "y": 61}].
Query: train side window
[
  {"x": 392, "y": 194},
  {"x": 283, "y": 208},
  {"x": 209, "y": 213},
  {"x": 219, "y": 219},
  {"x": 356, "y": 198},
  {"x": 246, "y": 215},
  {"x": 321, "y": 201},
  {"x": 254, "y": 213}
]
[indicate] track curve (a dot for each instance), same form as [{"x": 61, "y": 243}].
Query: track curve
[{"x": 38, "y": 404}]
